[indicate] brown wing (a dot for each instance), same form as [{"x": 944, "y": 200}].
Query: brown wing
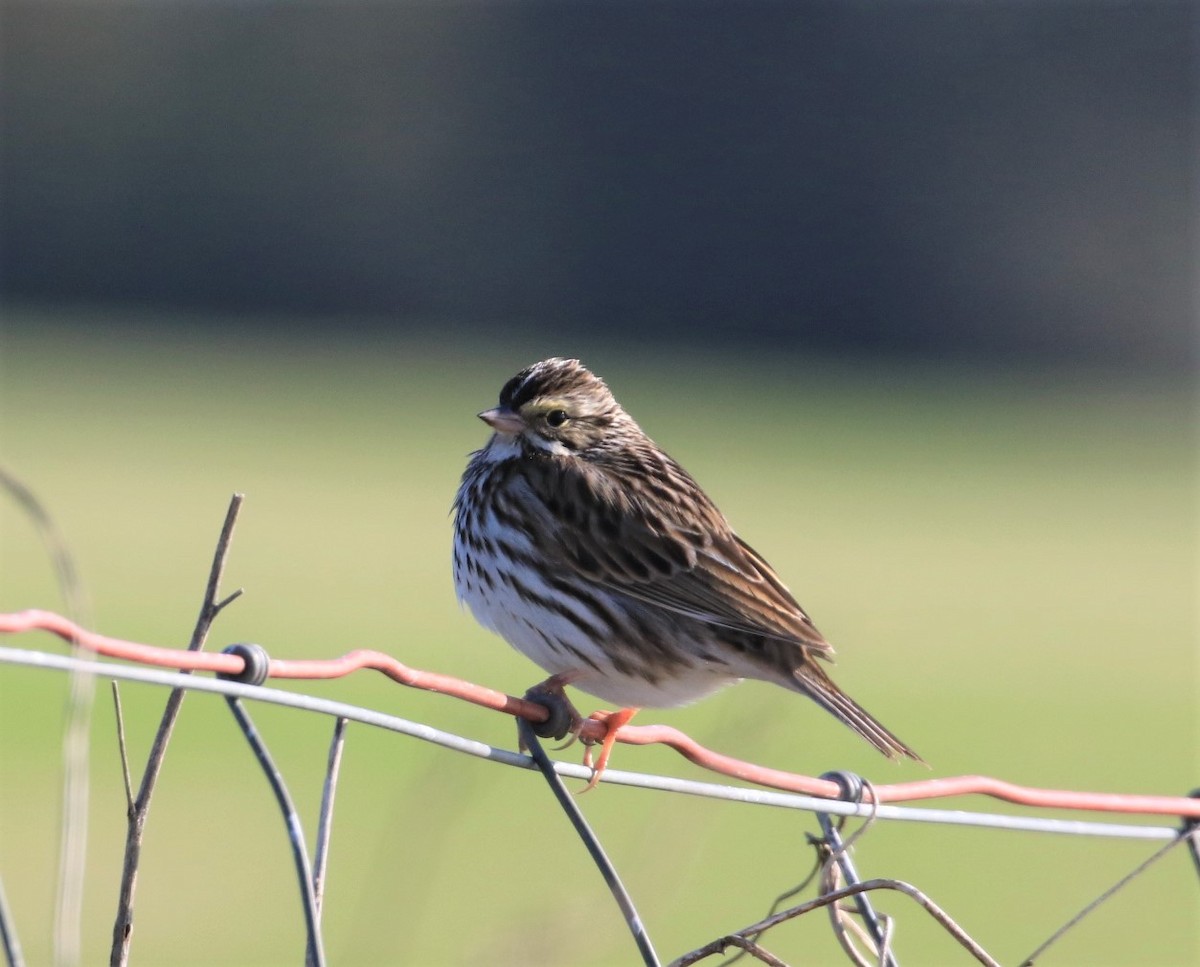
[{"x": 665, "y": 543}]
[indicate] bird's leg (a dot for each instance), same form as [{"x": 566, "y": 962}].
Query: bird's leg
[
  {"x": 612, "y": 721},
  {"x": 565, "y": 720}
]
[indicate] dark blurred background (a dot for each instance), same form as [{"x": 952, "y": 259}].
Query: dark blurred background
[{"x": 999, "y": 180}]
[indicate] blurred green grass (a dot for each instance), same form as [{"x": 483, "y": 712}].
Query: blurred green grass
[{"x": 1007, "y": 562}]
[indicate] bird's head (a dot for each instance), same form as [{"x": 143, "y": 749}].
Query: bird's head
[{"x": 557, "y": 406}]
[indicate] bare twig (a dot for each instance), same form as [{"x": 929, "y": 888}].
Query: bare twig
[
  {"x": 76, "y": 744},
  {"x": 745, "y": 946},
  {"x": 325, "y": 820},
  {"x": 116, "y": 694},
  {"x": 135, "y": 831},
  {"x": 762, "y": 926}
]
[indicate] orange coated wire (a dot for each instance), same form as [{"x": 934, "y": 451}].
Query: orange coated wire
[{"x": 37, "y": 620}]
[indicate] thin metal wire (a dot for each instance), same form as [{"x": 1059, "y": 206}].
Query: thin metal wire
[
  {"x": 691, "y": 787},
  {"x": 595, "y": 850},
  {"x": 835, "y": 896},
  {"x": 325, "y": 820},
  {"x": 315, "y": 954},
  {"x": 841, "y": 857},
  {"x": 233, "y": 665},
  {"x": 852, "y": 790},
  {"x": 1128, "y": 878}
]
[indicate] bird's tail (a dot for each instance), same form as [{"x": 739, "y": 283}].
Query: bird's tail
[{"x": 813, "y": 682}]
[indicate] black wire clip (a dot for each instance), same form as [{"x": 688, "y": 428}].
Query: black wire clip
[
  {"x": 256, "y": 663},
  {"x": 559, "y": 720}
]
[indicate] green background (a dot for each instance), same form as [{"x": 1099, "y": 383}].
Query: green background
[{"x": 1005, "y": 560}]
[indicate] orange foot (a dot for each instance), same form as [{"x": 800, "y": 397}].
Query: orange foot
[{"x": 613, "y": 721}]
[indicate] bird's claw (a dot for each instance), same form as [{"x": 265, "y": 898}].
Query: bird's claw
[
  {"x": 613, "y": 723},
  {"x": 564, "y": 720}
]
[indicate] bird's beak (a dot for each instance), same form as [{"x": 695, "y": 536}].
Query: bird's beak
[{"x": 503, "y": 420}]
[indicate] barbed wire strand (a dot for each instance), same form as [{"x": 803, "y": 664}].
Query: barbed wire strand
[
  {"x": 325, "y": 819},
  {"x": 1124, "y": 881},
  {"x": 8, "y": 933},
  {"x": 690, "y": 787},
  {"x": 757, "y": 929},
  {"x": 315, "y": 949},
  {"x": 1174, "y": 806},
  {"x": 210, "y": 608},
  {"x": 612, "y": 880},
  {"x": 73, "y": 832}
]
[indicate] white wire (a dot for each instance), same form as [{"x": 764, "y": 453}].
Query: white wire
[{"x": 754, "y": 796}]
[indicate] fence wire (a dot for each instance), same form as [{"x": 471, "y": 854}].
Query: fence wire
[
  {"x": 310, "y": 875},
  {"x": 867, "y": 937},
  {"x": 639, "y": 780}
]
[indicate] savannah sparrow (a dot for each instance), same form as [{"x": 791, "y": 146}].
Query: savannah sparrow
[{"x": 596, "y": 555}]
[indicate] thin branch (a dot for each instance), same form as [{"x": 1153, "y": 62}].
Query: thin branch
[
  {"x": 226, "y": 601},
  {"x": 744, "y": 945},
  {"x": 116, "y": 694},
  {"x": 68, "y": 912},
  {"x": 135, "y": 830},
  {"x": 325, "y": 819}
]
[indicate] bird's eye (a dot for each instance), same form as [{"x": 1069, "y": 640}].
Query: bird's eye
[{"x": 556, "y": 417}]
